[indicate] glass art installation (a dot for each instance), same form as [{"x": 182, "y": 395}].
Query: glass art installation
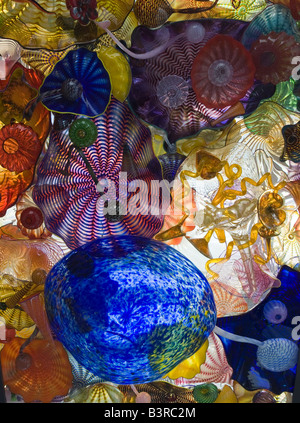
[{"x": 149, "y": 201}]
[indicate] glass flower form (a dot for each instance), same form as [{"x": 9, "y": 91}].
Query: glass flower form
[
  {"x": 94, "y": 198},
  {"x": 263, "y": 130},
  {"x": 20, "y": 257},
  {"x": 275, "y": 18},
  {"x": 21, "y": 143},
  {"x": 15, "y": 98},
  {"x": 11, "y": 186},
  {"x": 78, "y": 84},
  {"x": 228, "y": 300},
  {"x": 39, "y": 373},
  {"x": 19, "y": 147},
  {"x": 272, "y": 55},
  {"x": 240, "y": 283},
  {"x": 248, "y": 207},
  {"x": 30, "y": 218},
  {"x": 97, "y": 393},
  {"x": 82, "y": 10},
  {"x": 16, "y": 91},
  {"x": 161, "y": 93},
  {"x": 47, "y": 23},
  {"x": 272, "y": 318},
  {"x": 222, "y": 72}
]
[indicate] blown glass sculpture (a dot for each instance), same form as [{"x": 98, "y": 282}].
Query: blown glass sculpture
[
  {"x": 272, "y": 55},
  {"x": 261, "y": 368},
  {"x": 192, "y": 83},
  {"x": 97, "y": 393},
  {"x": 49, "y": 23},
  {"x": 29, "y": 217},
  {"x": 156, "y": 307},
  {"x": 275, "y": 18},
  {"x": 78, "y": 84},
  {"x": 154, "y": 13},
  {"x": 222, "y": 72},
  {"x": 19, "y": 147},
  {"x": 24, "y": 371},
  {"x": 205, "y": 393},
  {"x": 99, "y": 180}
]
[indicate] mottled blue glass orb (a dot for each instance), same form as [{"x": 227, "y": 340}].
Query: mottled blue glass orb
[{"x": 129, "y": 309}]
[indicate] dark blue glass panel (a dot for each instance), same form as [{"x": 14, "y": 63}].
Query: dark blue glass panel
[{"x": 242, "y": 356}]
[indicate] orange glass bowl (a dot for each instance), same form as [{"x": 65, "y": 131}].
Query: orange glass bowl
[{"x": 48, "y": 373}]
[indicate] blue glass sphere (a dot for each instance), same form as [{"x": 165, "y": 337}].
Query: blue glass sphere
[{"x": 129, "y": 309}]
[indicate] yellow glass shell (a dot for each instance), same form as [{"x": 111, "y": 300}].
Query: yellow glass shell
[
  {"x": 124, "y": 33},
  {"x": 20, "y": 258},
  {"x": 25, "y": 333},
  {"x": 208, "y": 138},
  {"x": 22, "y": 21},
  {"x": 243, "y": 396},
  {"x": 259, "y": 131},
  {"x": 190, "y": 366},
  {"x": 226, "y": 395},
  {"x": 16, "y": 318},
  {"x": 263, "y": 127},
  {"x": 42, "y": 59},
  {"x": 119, "y": 71},
  {"x": 12, "y": 292},
  {"x": 244, "y": 10},
  {"x": 97, "y": 393}
]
